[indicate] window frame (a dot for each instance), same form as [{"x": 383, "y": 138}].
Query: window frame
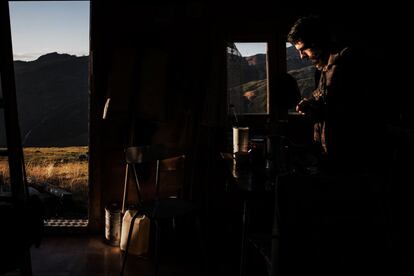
[
  {"x": 93, "y": 163},
  {"x": 276, "y": 63}
]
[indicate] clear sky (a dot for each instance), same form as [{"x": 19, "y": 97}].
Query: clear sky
[
  {"x": 247, "y": 49},
  {"x": 250, "y": 49},
  {"x": 41, "y": 27}
]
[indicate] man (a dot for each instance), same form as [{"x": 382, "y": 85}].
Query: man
[
  {"x": 341, "y": 107},
  {"x": 347, "y": 132}
]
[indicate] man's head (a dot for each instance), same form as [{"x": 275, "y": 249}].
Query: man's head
[{"x": 312, "y": 39}]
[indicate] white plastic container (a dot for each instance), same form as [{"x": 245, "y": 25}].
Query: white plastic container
[{"x": 140, "y": 234}]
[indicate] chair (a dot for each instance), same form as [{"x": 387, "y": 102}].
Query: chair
[{"x": 159, "y": 208}]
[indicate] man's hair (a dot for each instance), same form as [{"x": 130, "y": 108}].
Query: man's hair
[{"x": 310, "y": 30}]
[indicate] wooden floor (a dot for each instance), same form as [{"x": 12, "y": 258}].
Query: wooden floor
[
  {"x": 62, "y": 254},
  {"x": 89, "y": 255}
]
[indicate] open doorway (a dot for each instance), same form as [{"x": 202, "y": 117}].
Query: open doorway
[{"x": 51, "y": 60}]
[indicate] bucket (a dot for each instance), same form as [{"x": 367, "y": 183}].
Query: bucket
[{"x": 113, "y": 224}]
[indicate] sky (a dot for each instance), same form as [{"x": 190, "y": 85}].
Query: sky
[
  {"x": 252, "y": 48},
  {"x": 41, "y": 27},
  {"x": 247, "y": 49}
]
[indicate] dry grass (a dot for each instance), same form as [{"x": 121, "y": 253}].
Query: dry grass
[{"x": 65, "y": 167}]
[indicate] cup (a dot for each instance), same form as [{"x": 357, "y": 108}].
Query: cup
[{"x": 240, "y": 139}]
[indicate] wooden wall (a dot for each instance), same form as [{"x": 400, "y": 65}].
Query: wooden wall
[{"x": 164, "y": 63}]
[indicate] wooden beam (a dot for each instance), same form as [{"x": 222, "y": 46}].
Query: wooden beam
[{"x": 13, "y": 138}]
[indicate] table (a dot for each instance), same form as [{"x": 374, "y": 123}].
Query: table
[{"x": 252, "y": 181}]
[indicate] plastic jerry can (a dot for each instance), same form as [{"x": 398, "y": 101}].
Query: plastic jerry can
[{"x": 140, "y": 234}]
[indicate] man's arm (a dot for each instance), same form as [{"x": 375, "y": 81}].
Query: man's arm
[{"x": 310, "y": 106}]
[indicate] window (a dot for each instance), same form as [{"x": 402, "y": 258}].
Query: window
[
  {"x": 247, "y": 78},
  {"x": 51, "y": 57},
  {"x": 302, "y": 70}
]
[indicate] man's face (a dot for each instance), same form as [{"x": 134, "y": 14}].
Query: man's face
[{"x": 314, "y": 54}]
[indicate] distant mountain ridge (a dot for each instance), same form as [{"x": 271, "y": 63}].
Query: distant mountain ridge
[
  {"x": 302, "y": 70},
  {"x": 52, "y": 95},
  {"x": 245, "y": 75},
  {"x": 52, "y": 99},
  {"x": 254, "y": 68}
]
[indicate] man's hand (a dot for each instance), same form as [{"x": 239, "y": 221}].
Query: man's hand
[{"x": 303, "y": 106}]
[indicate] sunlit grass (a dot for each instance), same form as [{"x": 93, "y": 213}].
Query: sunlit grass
[{"x": 66, "y": 168}]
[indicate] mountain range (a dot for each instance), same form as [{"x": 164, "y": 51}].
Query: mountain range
[
  {"x": 246, "y": 76},
  {"x": 52, "y": 100},
  {"x": 302, "y": 70}
]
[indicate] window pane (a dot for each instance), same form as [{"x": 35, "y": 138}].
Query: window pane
[
  {"x": 302, "y": 70},
  {"x": 4, "y": 164},
  {"x": 247, "y": 85}
]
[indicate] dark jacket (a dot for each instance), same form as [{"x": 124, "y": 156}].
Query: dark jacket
[{"x": 342, "y": 107}]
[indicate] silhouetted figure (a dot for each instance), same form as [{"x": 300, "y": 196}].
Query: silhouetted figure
[
  {"x": 347, "y": 135},
  {"x": 343, "y": 107}
]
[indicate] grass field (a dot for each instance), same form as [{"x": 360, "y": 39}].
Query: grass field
[{"x": 65, "y": 167}]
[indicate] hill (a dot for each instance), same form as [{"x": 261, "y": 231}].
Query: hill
[
  {"x": 302, "y": 70},
  {"x": 246, "y": 79},
  {"x": 52, "y": 99}
]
